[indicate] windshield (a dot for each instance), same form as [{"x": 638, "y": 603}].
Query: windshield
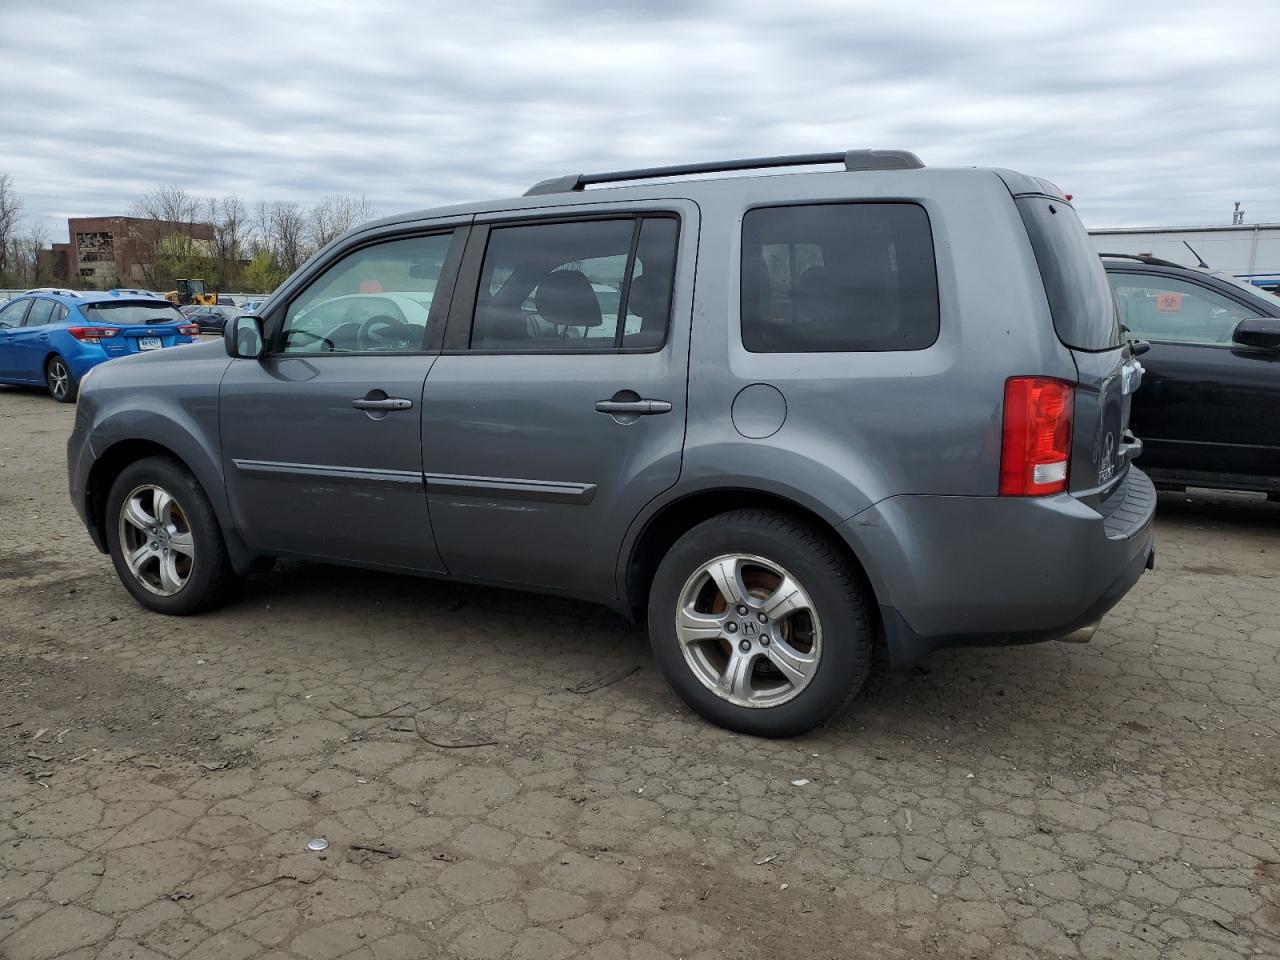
[
  {"x": 125, "y": 312},
  {"x": 1257, "y": 291}
]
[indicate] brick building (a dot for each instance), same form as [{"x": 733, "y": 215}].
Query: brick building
[{"x": 115, "y": 250}]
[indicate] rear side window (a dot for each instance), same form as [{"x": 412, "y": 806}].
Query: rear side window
[
  {"x": 41, "y": 313},
  {"x": 838, "y": 277},
  {"x": 587, "y": 285},
  {"x": 1084, "y": 312}
]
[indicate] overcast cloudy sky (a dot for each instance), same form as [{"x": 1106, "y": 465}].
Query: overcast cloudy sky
[{"x": 1150, "y": 113}]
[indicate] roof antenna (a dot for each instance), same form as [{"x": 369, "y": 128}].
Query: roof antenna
[{"x": 1202, "y": 264}]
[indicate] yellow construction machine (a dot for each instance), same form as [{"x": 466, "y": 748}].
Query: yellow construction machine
[{"x": 191, "y": 291}]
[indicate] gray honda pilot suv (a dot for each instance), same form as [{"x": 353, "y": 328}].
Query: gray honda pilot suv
[{"x": 778, "y": 417}]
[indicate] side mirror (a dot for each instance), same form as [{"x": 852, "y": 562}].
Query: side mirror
[
  {"x": 1260, "y": 332},
  {"x": 242, "y": 336}
]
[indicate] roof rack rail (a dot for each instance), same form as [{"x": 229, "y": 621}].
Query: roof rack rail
[
  {"x": 852, "y": 160},
  {"x": 1145, "y": 258}
]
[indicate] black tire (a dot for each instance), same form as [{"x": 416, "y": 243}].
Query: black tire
[
  {"x": 61, "y": 383},
  {"x": 210, "y": 576},
  {"x": 813, "y": 559}
]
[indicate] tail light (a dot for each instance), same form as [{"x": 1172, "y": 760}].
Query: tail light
[
  {"x": 93, "y": 334},
  {"x": 1037, "y": 436},
  {"x": 189, "y": 330}
]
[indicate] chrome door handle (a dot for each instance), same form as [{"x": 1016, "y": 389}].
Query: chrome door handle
[
  {"x": 641, "y": 408},
  {"x": 390, "y": 403}
]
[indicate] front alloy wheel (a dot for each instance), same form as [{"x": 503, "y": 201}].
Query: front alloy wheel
[
  {"x": 748, "y": 631},
  {"x": 156, "y": 540}
]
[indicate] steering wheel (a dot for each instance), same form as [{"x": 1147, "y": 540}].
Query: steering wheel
[
  {"x": 396, "y": 331},
  {"x": 329, "y": 344}
]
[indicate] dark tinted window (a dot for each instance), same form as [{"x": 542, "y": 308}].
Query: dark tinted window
[
  {"x": 41, "y": 313},
  {"x": 838, "y": 277},
  {"x": 1084, "y": 312},
  {"x": 594, "y": 285}
]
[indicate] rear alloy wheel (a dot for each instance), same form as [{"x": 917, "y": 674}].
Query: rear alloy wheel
[
  {"x": 748, "y": 631},
  {"x": 62, "y": 385},
  {"x": 164, "y": 539},
  {"x": 758, "y": 623}
]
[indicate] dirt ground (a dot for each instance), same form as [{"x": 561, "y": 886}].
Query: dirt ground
[{"x": 507, "y": 776}]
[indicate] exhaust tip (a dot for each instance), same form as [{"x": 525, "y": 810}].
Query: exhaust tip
[{"x": 1081, "y": 634}]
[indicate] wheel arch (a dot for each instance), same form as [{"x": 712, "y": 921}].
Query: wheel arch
[
  {"x": 653, "y": 535},
  {"x": 118, "y": 454}
]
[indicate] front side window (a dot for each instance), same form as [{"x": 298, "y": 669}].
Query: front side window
[
  {"x": 374, "y": 300},
  {"x": 11, "y": 313},
  {"x": 1174, "y": 311},
  {"x": 41, "y": 313},
  {"x": 587, "y": 285},
  {"x": 838, "y": 277}
]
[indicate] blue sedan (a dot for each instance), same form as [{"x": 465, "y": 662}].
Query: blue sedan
[{"x": 54, "y": 339}]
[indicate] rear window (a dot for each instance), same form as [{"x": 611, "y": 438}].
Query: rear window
[
  {"x": 125, "y": 312},
  {"x": 1075, "y": 283},
  {"x": 838, "y": 277}
]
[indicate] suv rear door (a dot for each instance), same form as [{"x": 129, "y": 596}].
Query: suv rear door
[
  {"x": 1084, "y": 315},
  {"x": 547, "y": 424}
]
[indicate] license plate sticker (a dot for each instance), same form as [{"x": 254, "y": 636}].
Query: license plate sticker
[{"x": 149, "y": 343}]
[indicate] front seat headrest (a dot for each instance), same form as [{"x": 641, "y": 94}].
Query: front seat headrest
[{"x": 566, "y": 299}]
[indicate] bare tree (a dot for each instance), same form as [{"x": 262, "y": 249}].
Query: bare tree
[
  {"x": 36, "y": 240},
  {"x": 282, "y": 227},
  {"x": 166, "y": 235},
  {"x": 334, "y": 216},
  {"x": 230, "y": 219},
  {"x": 10, "y": 220}
]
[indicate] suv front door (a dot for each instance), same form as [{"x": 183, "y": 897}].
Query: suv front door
[
  {"x": 31, "y": 344},
  {"x": 321, "y": 437},
  {"x": 557, "y": 409},
  {"x": 1207, "y": 405},
  {"x": 11, "y": 315}
]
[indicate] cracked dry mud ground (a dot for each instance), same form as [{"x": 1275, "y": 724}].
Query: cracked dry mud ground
[{"x": 1115, "y": 800}]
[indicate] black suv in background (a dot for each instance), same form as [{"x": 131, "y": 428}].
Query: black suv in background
[{"x": 1209, "y": 408}]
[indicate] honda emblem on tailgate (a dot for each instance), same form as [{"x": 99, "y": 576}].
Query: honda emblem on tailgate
[{"x": 1107, "y": 462}]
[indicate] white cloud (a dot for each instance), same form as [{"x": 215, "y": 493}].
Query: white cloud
[{"x": 1148, "y": 112}]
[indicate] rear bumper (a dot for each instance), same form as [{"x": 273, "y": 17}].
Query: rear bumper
[{"x": 983, "y": 571}]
